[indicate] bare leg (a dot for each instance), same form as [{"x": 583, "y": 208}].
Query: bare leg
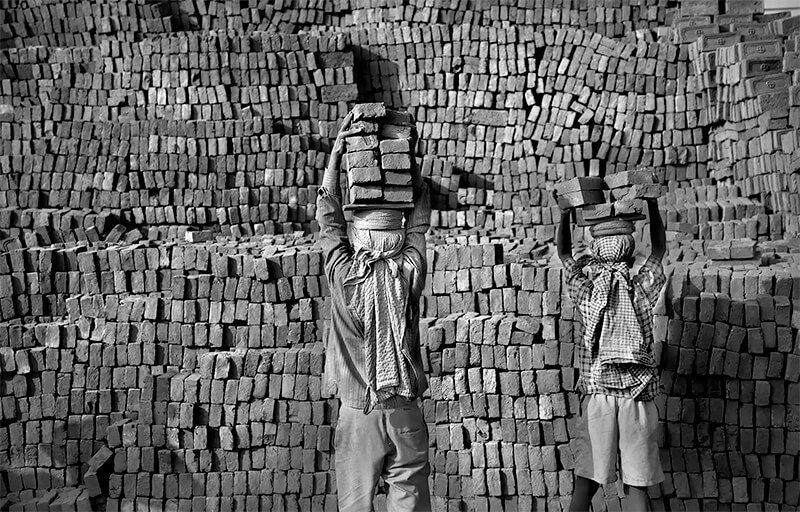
[
  {"x": 637, "y": 498},
  {"x": 585, "y": 490}
]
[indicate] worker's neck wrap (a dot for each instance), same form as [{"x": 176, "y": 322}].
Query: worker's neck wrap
[{"x": 382, "y": 293}]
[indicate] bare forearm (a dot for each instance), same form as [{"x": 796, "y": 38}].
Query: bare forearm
[
  {"x": 419, "y": 218},
  {"x": 330, "y": 180},
  {"x": 564, "y": 237},
  {"x": 658, "y": 235}
]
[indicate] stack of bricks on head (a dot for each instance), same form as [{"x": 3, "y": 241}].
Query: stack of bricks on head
[
  {"x": 378, "y": 158},
  {"x": 619, "y": 196},
  {"x": 163, "y": 303}
]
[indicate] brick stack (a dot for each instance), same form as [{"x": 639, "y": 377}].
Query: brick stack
[
  {"x": 717, "y": 213},
  {"x": 733, "y": 325},
  {"x": 73, "y": 23},
  {"x": 134, "y": 312},
  {"x": 534, "y": 133},
  {"x": 620, "y": 195},
  {"x": 748, "y": 74},
  {"x": 155, "y": 134},
  {"x": 168, "y": 377},
  {"x": 379, "y": 159},
  {"x": 500, "y": 413},
  {"x": 242, "y": 431},
  {"x": 296, "y": 16}
]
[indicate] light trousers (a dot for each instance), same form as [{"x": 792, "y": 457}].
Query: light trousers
[{"x": 389, "y": 442}]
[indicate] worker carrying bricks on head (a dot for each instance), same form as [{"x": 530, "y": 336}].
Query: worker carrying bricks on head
[
  {"x": 373, "y": 360},
  {"x": 618, "y": 377}
]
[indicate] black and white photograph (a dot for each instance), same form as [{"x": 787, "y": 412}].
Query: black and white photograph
[{"x": 400, "y": 255}]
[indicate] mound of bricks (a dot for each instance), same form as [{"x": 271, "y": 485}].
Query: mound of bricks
[
  {"x": 379, "y": 159},
  {"x": 593, "y": 15}
]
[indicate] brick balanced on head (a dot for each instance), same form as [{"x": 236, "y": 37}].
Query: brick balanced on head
[
  {"x": 379, "y": 158},
  {"x": 618, "y": 196}
]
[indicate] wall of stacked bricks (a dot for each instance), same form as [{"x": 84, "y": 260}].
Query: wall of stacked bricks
[{"x": 162, "y": 303}]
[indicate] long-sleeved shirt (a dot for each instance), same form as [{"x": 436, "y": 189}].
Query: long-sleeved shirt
[
  {"x": 639, "y": 382},
  {"x": 344, "y": 339}
]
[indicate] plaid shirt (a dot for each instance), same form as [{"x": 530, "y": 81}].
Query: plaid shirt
[{"x": 639, "y": 382}]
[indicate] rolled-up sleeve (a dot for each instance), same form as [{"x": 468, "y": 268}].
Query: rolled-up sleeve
[
  {"x": 336, "y": 249},
  {"x": 417, "y": 224},
  {"x": 579, "y": 287},
  {"x": 651, "y": 278}
]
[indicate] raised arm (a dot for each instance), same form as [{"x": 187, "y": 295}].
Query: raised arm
[
  {"x": 651, "y": 277},
  {"x": 419, "y": 219},
  {"x": 564, "y": 237},
  {"x": 330, "y": 216},
  {"x": 418, "y": 222},
  {"x": 579, "y": 287},
  {"x": 658, "y": 235},
  {"x": 330, "y": 180}
]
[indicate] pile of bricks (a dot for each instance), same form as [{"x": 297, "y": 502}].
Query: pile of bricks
[
  {"x": 717, "y": 213},
  {"x": 746, "y": 65},
  {"x": 296, "y": 16},
  {"x": 191, "y": 393},
  {"x": 74, "y": 23},
  {"x": 162, "y": 305},
  {"x": 88, "y": 373},
  {"x": 142, "y": 131},
  {"x": 505, "y": 151},
  {"x": 244, "y": 429},
  {"x": 379, "y": 159},
  {"x": 735, "y": 326}
]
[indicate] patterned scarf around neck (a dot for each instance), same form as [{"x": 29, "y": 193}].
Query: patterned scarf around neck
[
  {"x": 620, "y": 340},
  {"x": 377, "y": 272}
]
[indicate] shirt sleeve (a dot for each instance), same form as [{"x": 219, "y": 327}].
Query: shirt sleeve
[
  {"x": 336, "y": 249},
  {"x": 651, "y": 279},
  {"x": 579, "y": 287},
  {"x": 417, "y": 224}
]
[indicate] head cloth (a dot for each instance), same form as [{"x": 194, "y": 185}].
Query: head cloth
[{"x": 382, "y": 219}]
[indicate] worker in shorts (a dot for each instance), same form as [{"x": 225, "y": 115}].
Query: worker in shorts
[
  {"x": 373, "y": 362},
  {"x": 618, "y": 377}
]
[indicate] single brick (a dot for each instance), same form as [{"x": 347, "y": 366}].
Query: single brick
[
  {"x": 365, "y": 193},
  {"x": 396, "y": 161},
  {"x": 398, "y": 118},
  {"x": 399, "y": 179},
  {"x": 398, "y": 194},
  {"x": 393, "y": 131},
  {"x": 368, "y": 110},
  {"x": 361, "y": 159},
  {"x": 395, "y": 146},
  {"x": 361, "y": 143},
  {"x": 627, "y": 178},
  {"x": 364, "y": 175}
]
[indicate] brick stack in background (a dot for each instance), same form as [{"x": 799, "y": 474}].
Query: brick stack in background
[
  {"x": 505, "y": 147},
  {"x": 162, "y": 305},
  {"x": 298, "y": 15},
  {"x": 136, "y": 312},
  {"x": 749, "y": 71},
  {"x": 64, "y": 24},
  {"x": 185, "y": 131}
]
